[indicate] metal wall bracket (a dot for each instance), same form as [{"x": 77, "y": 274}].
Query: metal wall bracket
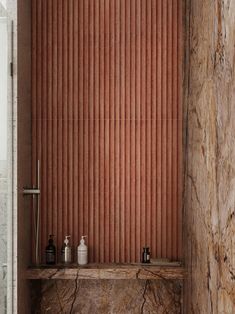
[{"x": 31, "y": 191}]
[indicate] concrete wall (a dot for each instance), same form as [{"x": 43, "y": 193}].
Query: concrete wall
[
  {"x": 3, "y": 235},
  {"x": 5, "y": 129}
]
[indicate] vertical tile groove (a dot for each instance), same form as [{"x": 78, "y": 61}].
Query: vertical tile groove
[{"x": 107, "y": 124}]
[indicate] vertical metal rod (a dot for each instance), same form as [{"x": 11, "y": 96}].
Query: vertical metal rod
[
  {"x": 35, "y": 191},
  {"x": 37, "y": 258}
]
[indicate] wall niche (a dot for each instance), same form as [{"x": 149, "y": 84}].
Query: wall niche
[{"x": 107, "y": 124}]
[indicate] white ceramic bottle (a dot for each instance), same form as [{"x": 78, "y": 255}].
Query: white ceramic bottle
[{"x": 82, "y": 252}]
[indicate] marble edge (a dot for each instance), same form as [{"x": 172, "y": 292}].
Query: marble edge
[{"x": 152, "y": 272}]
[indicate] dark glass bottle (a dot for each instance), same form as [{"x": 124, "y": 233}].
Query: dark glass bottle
[
  {"x": 146, "y": 255},
  {"x": 50, "y": 252}
]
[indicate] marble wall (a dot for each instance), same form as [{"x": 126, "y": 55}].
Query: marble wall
[
  {"x": 107, "y": 296},
  {"x": 209, "y": 192},
  {"x": 3, "y": 236},
  {"x": 7, "y": 186},
  {"x": 3, "y": 161}
]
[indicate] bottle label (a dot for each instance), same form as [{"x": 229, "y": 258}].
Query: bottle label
[
  {"x": 82, "y": 257},
  {"x": 67, "y": 255},
  {"x": 50, "y": 256}
]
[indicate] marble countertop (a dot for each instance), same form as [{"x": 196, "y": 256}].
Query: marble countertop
[{"x": 107, "y": 271}]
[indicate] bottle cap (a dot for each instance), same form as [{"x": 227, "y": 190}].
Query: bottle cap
[
  {"x": 66, "y": 240},
  {"x": 82, "y": 241},
  {"x": 51, "y": 236}
]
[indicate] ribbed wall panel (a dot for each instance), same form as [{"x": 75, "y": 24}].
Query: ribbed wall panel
[{"x": 107, "y": 124}]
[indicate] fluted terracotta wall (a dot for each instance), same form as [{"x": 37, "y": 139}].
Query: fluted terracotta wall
[{"x": 107, "y": 124}]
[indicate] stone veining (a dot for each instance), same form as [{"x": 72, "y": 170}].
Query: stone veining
[
  {"x": 109, "y": 296},
  {"x": 144, "y": 298},
  {"x": 75, "y": 292},
  {"x": 209, "y": 199}
]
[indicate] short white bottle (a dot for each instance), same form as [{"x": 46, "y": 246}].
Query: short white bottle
[{"x": 82, "y": 252}]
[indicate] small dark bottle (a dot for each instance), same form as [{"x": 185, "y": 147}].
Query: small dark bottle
[
  {"x": 50, "y": 252},
  {"x": 146, "y": 255}
]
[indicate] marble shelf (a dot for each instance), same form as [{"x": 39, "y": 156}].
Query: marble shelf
[{"x": 107, "y": 271}]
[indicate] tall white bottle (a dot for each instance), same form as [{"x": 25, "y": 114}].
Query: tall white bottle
[{"x": 82, "y": 252}]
